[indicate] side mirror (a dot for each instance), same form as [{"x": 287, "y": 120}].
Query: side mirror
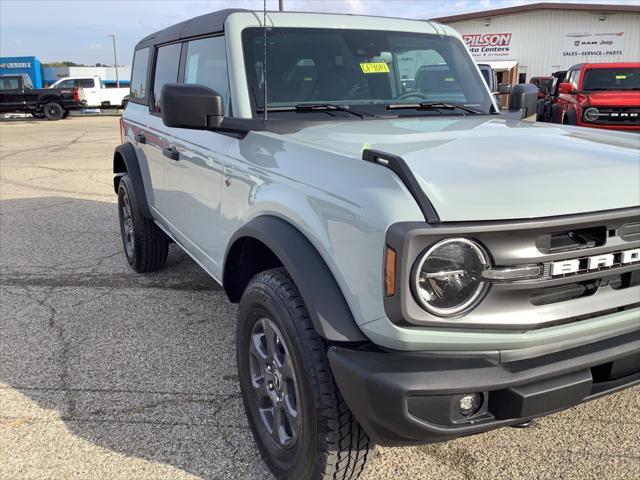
[
  {"x": 190, "y": 106},
  {"x": 565, "y": 88},
  {"x": 524, "y": 97},
  {"x": 504, "y": 89}
]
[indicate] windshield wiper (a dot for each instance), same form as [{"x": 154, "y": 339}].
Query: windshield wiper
[
  {"x": 310, "y": 107},
  {"x": 434, "y": 106}
]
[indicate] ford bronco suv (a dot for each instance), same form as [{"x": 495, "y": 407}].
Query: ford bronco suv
[
  {"x": 399, "y": 279},
  {"x": 601, "y": 95}
]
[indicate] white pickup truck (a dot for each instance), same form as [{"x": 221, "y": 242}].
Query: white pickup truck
[{"x": 93, "y": 93}]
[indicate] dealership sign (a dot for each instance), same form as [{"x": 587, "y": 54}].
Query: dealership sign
[
  {"x": 583, "y": 45},
  {"x": 16, "y": 65},
  {"x": 488, "y": 45}
]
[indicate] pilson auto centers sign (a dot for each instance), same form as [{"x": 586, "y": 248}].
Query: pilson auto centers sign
[{"x": 489, "y": 45}]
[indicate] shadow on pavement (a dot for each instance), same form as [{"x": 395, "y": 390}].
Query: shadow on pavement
[{"x": 142, "y": 365}]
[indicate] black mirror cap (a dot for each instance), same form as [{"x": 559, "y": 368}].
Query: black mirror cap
[
  {"x": 504, "y": 88},
  {"x": 190, "y": 106},
  {"x": 524, "y": 96}
]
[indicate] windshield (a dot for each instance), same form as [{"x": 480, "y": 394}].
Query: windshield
[
  {"x": 611, "y": 79},
  {"x": 363, "y": 69}
]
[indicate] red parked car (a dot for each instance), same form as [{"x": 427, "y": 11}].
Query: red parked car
[
  {"x": 601, "y": 95},
  {"x": 542, "y": 83}
]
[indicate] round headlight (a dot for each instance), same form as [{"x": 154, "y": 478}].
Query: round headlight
[
  {"x": 448, "y": 276},
  {"x": 591, "y": 114}
]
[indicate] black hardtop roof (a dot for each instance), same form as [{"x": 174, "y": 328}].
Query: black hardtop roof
[
  {"x": 214, "y": 22},
  {"x": 202, "y": 25}
]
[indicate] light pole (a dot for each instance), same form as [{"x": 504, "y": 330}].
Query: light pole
[
  {"x": 281, "y": 5},
  {"x": 115, "y": 57}
]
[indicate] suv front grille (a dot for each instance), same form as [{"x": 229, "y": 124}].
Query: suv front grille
[
  {"x": 618, "y": 116},
  {"x": 590, "y": 263}
]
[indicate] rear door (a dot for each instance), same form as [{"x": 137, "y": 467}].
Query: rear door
[
  {"x": 195, "y": 174},
  {"x": 165, "y": 70},
  {"x": 137, "y": 120},
  {"x": 90, "y": 89},
  {"x": 11, "y": 96}
]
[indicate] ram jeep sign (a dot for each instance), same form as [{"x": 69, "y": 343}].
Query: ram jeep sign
[
  {"x": 593, "y": 45},
  {"x": 489, "y": 45}
]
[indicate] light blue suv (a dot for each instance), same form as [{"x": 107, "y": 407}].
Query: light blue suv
[{"x": 410, "y": 265}]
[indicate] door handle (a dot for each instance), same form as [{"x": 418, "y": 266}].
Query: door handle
[
  {"x": 140, "y": 138},
  {"x": 171, "y": 152}
]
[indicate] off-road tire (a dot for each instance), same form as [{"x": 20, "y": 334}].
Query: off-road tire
[
  {"x": 331, "y": 444},
  {"x": 66, "y": 113},
  {"x": 53, "y": 111},
  {"x": 150, "y": 245}
]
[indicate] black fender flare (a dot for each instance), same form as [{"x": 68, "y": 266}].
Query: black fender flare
[
  {"x": 128, "y": 155},
  {"x": 329, "y": 311}
]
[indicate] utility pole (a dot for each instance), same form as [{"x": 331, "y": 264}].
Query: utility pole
[
  {"x": 281, "y": 5},
  {"x": 115, "y": 57}
]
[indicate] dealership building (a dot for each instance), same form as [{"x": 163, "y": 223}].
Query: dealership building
[
  {"x": 537, "y": 39},
  {"x": 42, "y": 76}
]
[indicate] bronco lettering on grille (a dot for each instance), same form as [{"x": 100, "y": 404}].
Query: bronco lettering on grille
[{"x": 585, "y": 264}]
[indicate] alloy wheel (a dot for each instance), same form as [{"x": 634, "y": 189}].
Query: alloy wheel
[
  {"x": 127, "y": 225},
  {"x": 274, "y": 381}
]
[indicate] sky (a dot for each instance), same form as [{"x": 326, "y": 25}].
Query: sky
[{"x": 76, "y": 30}]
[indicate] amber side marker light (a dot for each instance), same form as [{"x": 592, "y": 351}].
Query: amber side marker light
[{"x": 390, "y": 272}]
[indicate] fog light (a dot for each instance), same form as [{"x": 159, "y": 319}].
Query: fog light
[{"x": 469, "y": 404}]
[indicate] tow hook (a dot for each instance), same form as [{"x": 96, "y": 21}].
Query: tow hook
[{"x": 525, "y": 424}]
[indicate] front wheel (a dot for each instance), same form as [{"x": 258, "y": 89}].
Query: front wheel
[
  {"x": 53, "y": 111},
  {"x": 302, "y": 426}
]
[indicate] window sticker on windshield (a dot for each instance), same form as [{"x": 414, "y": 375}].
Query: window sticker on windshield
[
  {"x": 374, "y": 67},
  {"x": 621, "y": 77}
]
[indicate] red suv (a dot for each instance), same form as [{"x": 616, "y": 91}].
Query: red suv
[{"x": 601, "y": 95}]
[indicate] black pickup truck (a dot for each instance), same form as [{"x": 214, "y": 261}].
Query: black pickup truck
[{"x": 17, "y": 95}]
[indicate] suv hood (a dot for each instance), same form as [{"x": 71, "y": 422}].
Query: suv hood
[
  {"x": 488, "y": 168},
  {"x": 613, "y": 98}
]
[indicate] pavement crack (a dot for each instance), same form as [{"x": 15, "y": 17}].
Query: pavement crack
[
  {"x": 67, "y": 145},
  {"x": 58, "y": 329},
  {"x": 113, "y": 281}
]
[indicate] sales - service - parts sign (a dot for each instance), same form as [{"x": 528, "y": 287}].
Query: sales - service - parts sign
[
  {"x": 489, "y": 45},
  {"x": 585, "y": 45}
]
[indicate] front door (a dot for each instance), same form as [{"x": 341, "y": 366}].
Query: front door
[{"x": 195, "y": 176}]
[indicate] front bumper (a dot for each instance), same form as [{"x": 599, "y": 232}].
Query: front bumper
[
  {"x": 412, "y": 397},
  {"x": 630, "y": 128}
]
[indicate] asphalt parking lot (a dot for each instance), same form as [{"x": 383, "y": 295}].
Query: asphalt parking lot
[{"x": 105, "y": 374}]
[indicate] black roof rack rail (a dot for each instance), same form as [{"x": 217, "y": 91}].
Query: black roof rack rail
[{"x": 398, "y": 166}]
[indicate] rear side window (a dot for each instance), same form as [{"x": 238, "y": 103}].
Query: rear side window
[
  {"x": 85, "y": 83},
  {"x": 167, "y": 65},
  {"x": 206, "y": 64},
  {"x": 139, "y": 75}
]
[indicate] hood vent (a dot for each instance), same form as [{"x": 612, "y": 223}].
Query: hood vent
[{"x": 630, "y": 232}]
